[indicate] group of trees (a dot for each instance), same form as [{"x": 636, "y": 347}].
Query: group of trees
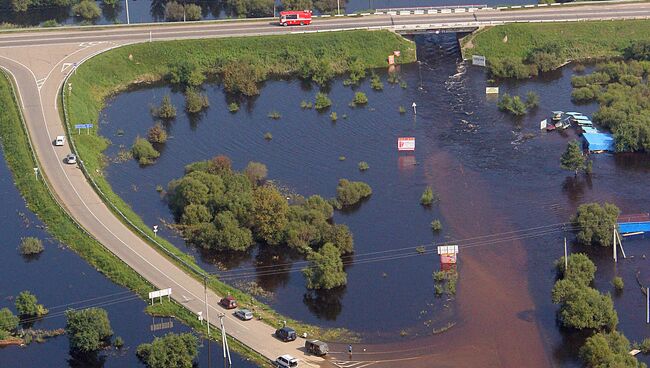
[
  {"x": 542, "y": 59},
  {"x": 221, "y": 209},
  {"x": 28, "y": 309},
  {"x": 595, "y": 223},
  {"x": 621, "y": 89},
  {"x": 516, "y": 106},
  {"x": 170, "y": 351}
]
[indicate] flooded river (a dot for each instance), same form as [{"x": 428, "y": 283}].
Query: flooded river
[{"x": 498, "y": 178}]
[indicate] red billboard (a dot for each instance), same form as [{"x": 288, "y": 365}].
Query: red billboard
[{"x": 406, "y": 144}]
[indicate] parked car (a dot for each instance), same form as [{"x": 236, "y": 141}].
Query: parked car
[
  {"x": 316, "y": 347},
  {"x": 71, "y": 158},
  {"x": 286, "y": 361},
  {"x": 60, "y": 140},
  {"x": 244, "y": 314},
  {"x": 228, "y": 302},
  {"x": 286, "y": 334}
]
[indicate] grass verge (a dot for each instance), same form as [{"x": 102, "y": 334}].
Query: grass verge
[
  {"x": 18, "y": 154},
  {"x": 114, "y": 71},
  {"x": 571, "y": 40}
]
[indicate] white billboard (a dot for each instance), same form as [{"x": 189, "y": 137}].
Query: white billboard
[
  {"x": 160, "y": 293},
  {"x": 406, "y": 144},
  {"x": 478, "y": 60}
]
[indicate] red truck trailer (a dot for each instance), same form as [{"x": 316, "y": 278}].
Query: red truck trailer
[{"x": 295, "y": 18}]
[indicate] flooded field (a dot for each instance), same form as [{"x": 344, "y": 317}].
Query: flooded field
[{"x": 502, "y": 198}]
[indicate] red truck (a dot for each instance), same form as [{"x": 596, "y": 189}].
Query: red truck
[{"x": 295, "y": 17}]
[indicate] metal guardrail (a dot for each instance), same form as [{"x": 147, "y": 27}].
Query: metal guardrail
[
  {"x": 192, "y": 267},
  {"x": 414, "y": 8}
]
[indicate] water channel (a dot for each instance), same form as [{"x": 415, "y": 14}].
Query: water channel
[
  {"x": 494, "y": 173},
  {"x": 146, "y": 11},
  {"x": 62, "y": 280}
]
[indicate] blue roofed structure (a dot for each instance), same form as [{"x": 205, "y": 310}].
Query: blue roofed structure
[
  {"x": 634, "y": 227},
  {"x": 599, "y": 142}
]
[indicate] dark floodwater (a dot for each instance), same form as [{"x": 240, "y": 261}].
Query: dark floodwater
[
  {"x": 61, "y": 279},
  {"x": 517, "y": 163},
  {"x": 145, "y": 11}
]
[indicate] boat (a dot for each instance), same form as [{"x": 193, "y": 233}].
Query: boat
[
  {"x": 564, "y": 124},
  {"x": 557, "y": 115}
]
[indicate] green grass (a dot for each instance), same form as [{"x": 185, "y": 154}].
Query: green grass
[
  {"x": 573, "y": 40},
  {"x": 112, "y": 72}
]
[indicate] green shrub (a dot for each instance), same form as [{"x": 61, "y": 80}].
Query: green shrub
[
  {"x": 513, "y": 105},
  {"x": 233, "y": 107},
  {"x": 195, "y": 101},
  {"x": 174, "y": 11},
  {"x": 572, "y": 159},
  {"x": 157, "y": 134},
  {"x": 27, "y": 305},
  {"x": 274, "y": 115},
  {"x": 256, "y": 172},
  {"x": 325, "y": 270},
  {"x": 333, "y": 116},
  {"x": 583, "y": 94},
  {"x": 349, "y": 193},
  {"x": 436, "y": 225},
  {"x": 166, "y": 109},
  {"x": 428, "y": 197},
  {"x": 50, "y": 23},
  {"x": 171, "y": 350},
  {"x": 532, "y": 100},
  {"x": 608, "y": 349},
  {"x": 306, "y": 105},
  {"x": 618, "y": 283},
  {"x": 402, "y": 110},
  {"x": 645, "y": 346},
  {"x": 186, "y": 73},
  {"x": 31, "y": 245},
  {"x": 8, "y": 321},
  {"x": 363, "y": 166},
  {"x": 341, "y": 158},
  {"x": 119, "y": 342},
  {"x": 88, "y": 329},
  {"x": 144, "y": 152},
  {"x": 360, "y": 98},
  {"x": 375, "y": 83},
  {"x": 193, "y": 12},
  {"x": 240, "y": 78},
  {"x": 596, "y": 223},
  {"x": 86, "y": 9},
  {"x": 268, "y": 136},
  {"x": 322, "y": 101}
]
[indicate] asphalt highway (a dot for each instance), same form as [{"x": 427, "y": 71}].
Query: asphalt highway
[{"x": 39, "y": 62}]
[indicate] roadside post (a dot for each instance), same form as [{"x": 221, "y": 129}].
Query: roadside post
[
  {"x": 155, "y": 230},
  {"x": 415, "y": 111},
  {"x": 36, "y": 172}
]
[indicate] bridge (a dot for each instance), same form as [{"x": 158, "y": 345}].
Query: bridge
[{"x": 40, "y": 61}]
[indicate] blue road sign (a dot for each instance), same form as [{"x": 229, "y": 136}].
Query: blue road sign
[{"x": 83, "y": 126}]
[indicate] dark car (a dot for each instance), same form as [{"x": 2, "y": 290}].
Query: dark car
[
  {"x": 228, "y": 302},
  {"x": 286, "y": 334},
  {"x": 316, "y": 347}
]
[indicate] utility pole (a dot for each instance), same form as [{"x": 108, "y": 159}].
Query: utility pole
[
  {"x": 207, "y": 310},
  {"x": 647, "y": 305},
  {"x": 566, "y": 259},
  {"x": 338, "y": 7},
  {"x": 128, "y": 20},
  {"x": 614, "y": 244},
  {"x": 224, "y": 342}
]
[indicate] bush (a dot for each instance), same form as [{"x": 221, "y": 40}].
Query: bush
[
  {"x": 233, "y": 107},
  {"x": 375, "y": 83},
  {"x": 581, "y": 269},
  {"x": 193, "y": 12},
  {"x": 171, "y": 350},
  {"x": 402, "y": 110},
  {"x": 544, "y": 61},
  {"x": 274, "y": 115},
  {"x": 360, "y": 98},
  {"x": 174, "y": 11},
  {"x": 509, "y": 67},
  {"x": 608, "y": 350},
  {"x": 349, "y": 193},
  {"x": 229, "y": 235},
  {"x": 618, "y": 283},
  {"x": 240, "y": 77},
  {"x": 322, "y": 101},
  {"x": 583, "y": 94},
  {"x": 596, "y": 223},
  {"x": 30, "y": 246},
  {"x": 144, "y": 152},
  {"x": 645, "y": 346},
  {"x": 428, "y": 197},
  {"x": 306, "y": 105},
  {"x": 194, "y": 214},
  {"x": 255, "y": 172},
  {"x": 333, "y": 116},
  {"x": 27, "y": 305},
  {"x": 119, "y": 342},
  {"x": 186, "y": 73},
  {"x": 195, "y": 101},
  {"x": 157, "y": 134},
  {"x": 436, "y": 225},
  {"x": 513, "y": 105},
  {"x": 166, "y": 109},
  {"x": 532, "y": 100},
  {"x": 86, "y": 9},
  {"x": 50, "y": 23},
  {"x": 363, "y": 166},
  {"x": 8, "y": 321},
  {"x": 88, "y": 329}
]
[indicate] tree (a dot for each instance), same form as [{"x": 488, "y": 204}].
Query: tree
[
  {"x": 608, "y": 350},
  {"x": 87, "y": 9},
  {"x": 20, "y": 6},
  {"x": 296, "y": 4},
  {"x": 269, "y": 214},
  {"x": 322, "y": 101},
  {"x": 573, "y": 159},
  {"x": 596, "y": 223},
  {"x": 325, "y": 269},
  {"x": 229, "y": 235},
  {"x": 195, "y": 214},
  {"x": 428, "y": 197},
  {"x": 144, "y": 152},
  {"x": 193, "y": 12},
  {"x": 532, "y": 100},
  {"x": 580, "y": 268},
  {"x": 166, "y": 109},
  {"x": 514, "y": 105},
  {"x": 187, "y": 73},
  {"x": 30, "y": 246},
  {"x": 174, "y": 11},
  {"x": 327, "y": 6},
  {"x": 8, "y": 321},
  {"x": 88, "y": 329},
  {"x": 27, "y": 305},
  {"x": 255, "y": 172},
  {"x": 351, "y": 192},
  {"x": 169, "y": 351},
  {"x": 221, "y": 164},
  {"x": 157, "y": 134},
  {"x": 585, "y": 307},
  {"x": 341, "y": 237},
  {"x": 195, "y": 101}
]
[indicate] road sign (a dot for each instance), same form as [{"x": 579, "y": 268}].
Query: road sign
[
  {"x": 448, "y": 253},
  {"x": 406, "y": 144},
  {"x": 83, "y": 126},
  {"x": 478, "y": 60},
  {"x": 159, "y": 294},
  {"x": 415, "y": 111},
  {"x": 489, "y": 90}
]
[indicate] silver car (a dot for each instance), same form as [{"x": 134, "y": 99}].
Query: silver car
[
  {"x": 71, "y": 158},
  {"x": 244, "y": 314}
]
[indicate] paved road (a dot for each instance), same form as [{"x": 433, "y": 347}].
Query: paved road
[{"x": 40, "y": 61}]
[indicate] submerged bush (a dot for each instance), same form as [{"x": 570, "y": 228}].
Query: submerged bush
[
  {"x": 31, "y": 245},
  {"x": 195, "y": 101},
  {"x": 322, "y": 101},
  {"x": 157, "y": 134},
  {"x": 144, "y": 152},
  {"x": 428, "y": 197},
  {"x": 166, "y": 109},
  {"x": 86, "y": 9},
  {"x": 360, "y": 98},
  {"x": 351, "y": 192}
]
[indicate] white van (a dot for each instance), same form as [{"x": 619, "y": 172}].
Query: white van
[
  {"x": 60, "y": 140},
  {"x": 286, "y": 361}
]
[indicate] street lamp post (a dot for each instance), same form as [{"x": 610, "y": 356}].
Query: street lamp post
[
  {"x": 338, "y": 7},
  {"x": 128, "y": 20}
]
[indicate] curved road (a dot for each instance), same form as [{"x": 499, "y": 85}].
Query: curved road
[{"x": 39, "y": 62}]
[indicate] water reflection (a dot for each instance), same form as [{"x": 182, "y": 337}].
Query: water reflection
[{"x": 326, "y": 304}]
